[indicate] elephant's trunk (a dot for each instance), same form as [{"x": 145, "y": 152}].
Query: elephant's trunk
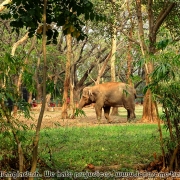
[{"x": 81, "y": 105}]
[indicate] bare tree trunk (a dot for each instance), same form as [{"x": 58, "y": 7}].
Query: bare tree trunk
[
  {"x": 36, "y": 77},
  {"x": 16, "y": 78},
  {"x": 76, "y": 94},
  {"x": 39, "y": 92},
  {"x": 113, "y": 57},
  {"x": 24, "y": 38},
  {"x": 150, "y": 113},
  {"x": 30, "y": 98},
  {"x": 113, "y": 73},
  {"x": 48, "y": 99},
  {"x": 64, "y": 114},
  {"x": 72, "y": 102},
  {"x": 38, "y": 127},
  {"x": 101, "y": 71},
  {"x": 129, "y": 63},
  {"x": 129, "y": 56}
]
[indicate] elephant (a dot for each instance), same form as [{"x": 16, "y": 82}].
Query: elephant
[{"x": 107, "y": 95}]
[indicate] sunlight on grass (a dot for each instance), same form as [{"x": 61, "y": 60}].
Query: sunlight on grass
[
  {"x": 138, "y": 111},
  {"x": 73, "y": 148}
]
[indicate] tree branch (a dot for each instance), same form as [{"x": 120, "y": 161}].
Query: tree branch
[
  {"x": 24, "y": 38},
  {"x": 162, "y": 16},
  {"x": 2, "y": 5}
]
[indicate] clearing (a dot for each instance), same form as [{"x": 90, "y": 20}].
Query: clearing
[{"x": 52, "y": 117}]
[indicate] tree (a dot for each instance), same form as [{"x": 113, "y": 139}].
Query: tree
[
  {"x": 67, "y": 77},
  {"x": 36, "y": 138},
  {"x": 155, "y": 22},
  {"x": 165, "y": 88},
  {"x": 30, "y": 15}
]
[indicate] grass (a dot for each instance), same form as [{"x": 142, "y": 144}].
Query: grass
[
  {"x": 72, "y": 148},
  {"x": 138, "y": 111}
]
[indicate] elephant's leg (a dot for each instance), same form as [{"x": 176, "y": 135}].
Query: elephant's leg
[
  {"x": 128, "y": 114},
  {"x": 98, "y": 110},
  {"x": 132, "y": 111},
  {"x": 130, "y": 107},
  {"x": 131, "y": 114},
  {"x": 106, "y": 113}
]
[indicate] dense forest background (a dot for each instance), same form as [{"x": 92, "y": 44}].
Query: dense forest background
[
  {"x": 124, "y": 44},
  {"x": 51, "y": 50}
]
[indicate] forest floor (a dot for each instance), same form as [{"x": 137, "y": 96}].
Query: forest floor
[{"x": 52, "y": 118}]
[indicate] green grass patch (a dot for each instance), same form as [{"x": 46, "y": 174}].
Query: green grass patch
[
  {"x": 138, "y": 111},
  {"x": 72, "y": 148}
]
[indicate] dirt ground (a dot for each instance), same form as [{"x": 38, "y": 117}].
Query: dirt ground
[{"x": 52, "y": 118}]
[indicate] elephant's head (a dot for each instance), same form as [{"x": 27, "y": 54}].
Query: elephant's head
[{"x": 87, "y": 97}]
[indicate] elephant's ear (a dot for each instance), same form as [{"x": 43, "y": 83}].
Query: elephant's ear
[
  {"x": 93, "y": 94},
  {"x": 85, "y": 92}
]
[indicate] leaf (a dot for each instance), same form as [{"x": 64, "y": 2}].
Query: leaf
[
  {"x": 87, "y": 16},
  {"x": 90, "y": 166},
  {"x": 92, "y": 16},
  {"x": 97, "y": 17}
]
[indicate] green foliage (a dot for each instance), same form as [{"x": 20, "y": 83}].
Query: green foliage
[
  {"x": 162, "y": 44},
  {"x": 13, "y": 130},
  {"x": 28, "y": 80},
  {"x": 165, "y": 87},
  {"x": 64, "y": 13},
  {"x": 50, "y": 86},
  {"x": 79, "y": 112}
]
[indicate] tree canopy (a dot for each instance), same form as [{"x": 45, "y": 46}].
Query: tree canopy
[{"x": 64, "y": 13}]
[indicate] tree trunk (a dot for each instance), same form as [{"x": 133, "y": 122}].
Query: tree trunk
[
  {"x": 77, "y": 95},
  {"x": 36, "y": 77},
  {"x": 150, "y": 113},
  {"x": 113, "y": 57},
  {"x": 39, "y": 92},
  {"x": 40, "y": 118},
  {"x": 30, "y": 97},
  {"x": 102, "y": 69},
  {"x": 129, "y": 62},
  {"x": 129, "y": 55},
  {"x": 64, "y": 114},
  {"x": 16, "y": 78},
  {"x": 72, "y": 104},
  {"x": 48, "y": 99},
  {"x": 149, "y": 106}
]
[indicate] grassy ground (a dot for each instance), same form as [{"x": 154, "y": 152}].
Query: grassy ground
[
  {"x": 138, "y": 111},
  {"x": 72, "y": 148}
]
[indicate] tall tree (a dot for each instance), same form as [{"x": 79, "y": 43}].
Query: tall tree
[
  {"x": 64, "y": 114},
  {"x": 129, "y": 52},
  {"x": 113, "y": 46},
  {"x": 113, "y": 41},
  {"x": 40, "y": 118},
  {"x": 155, "y": 22}
]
